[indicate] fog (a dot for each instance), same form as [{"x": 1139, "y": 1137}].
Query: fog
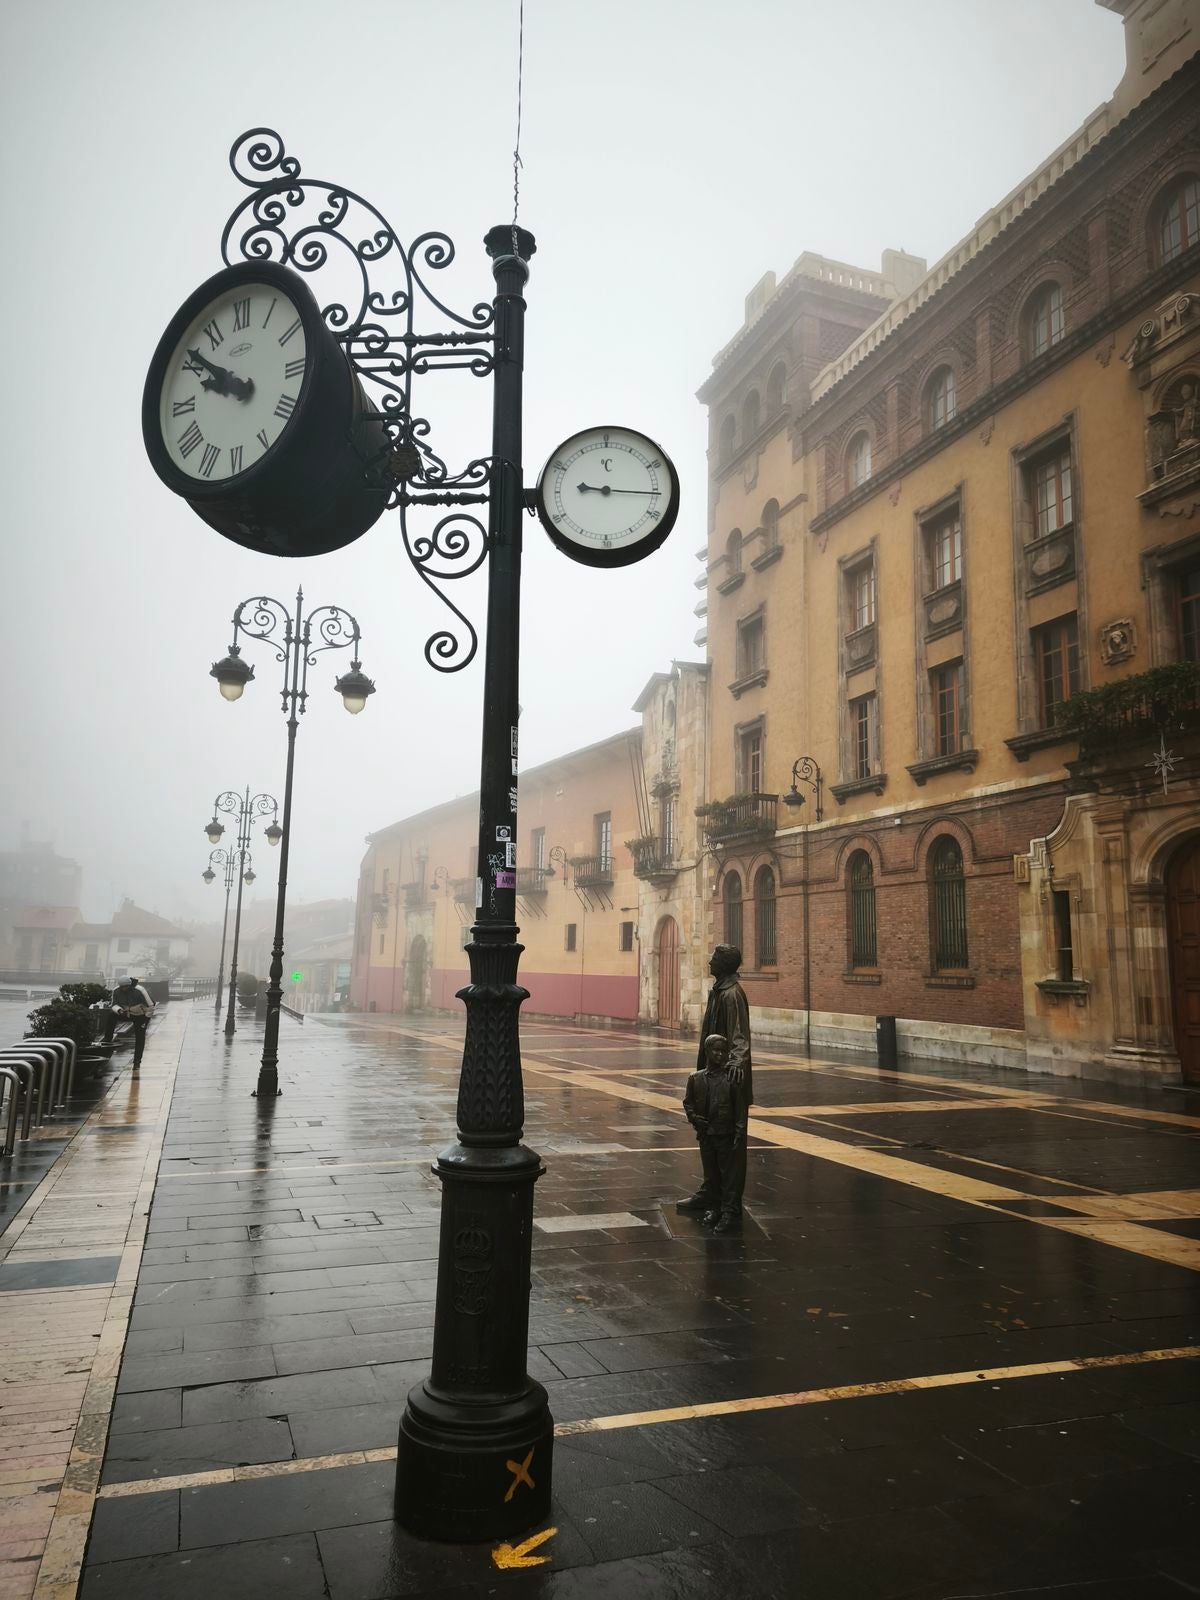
[{"x": 674, "y": 151}]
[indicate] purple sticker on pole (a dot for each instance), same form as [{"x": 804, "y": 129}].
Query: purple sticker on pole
[{"x": 506, "y": 880}]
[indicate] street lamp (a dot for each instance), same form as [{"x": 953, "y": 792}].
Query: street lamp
[
  {"x": 225, "y": 859},
  {"x": 297, "y": 639},
  {"x": 246, "y": 808},
  {"x": 805, "y": 770}
]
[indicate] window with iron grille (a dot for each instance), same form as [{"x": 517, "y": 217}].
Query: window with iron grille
[
  {"x": 1179, "y": 228},
  {"x": 750, "y": 761},
  {"x": 627, "y": 936},
  {"x": 1048, "y": 486},
  {"x": 860, "y": 883},
  {"x": 764, "y": 917},
  {"x": 946, "y": 693},
  {"x": 942, "y": 398},
  {"x": 1064, "y": 949},
  {"x": 947, "y": 906},
  {"x": 943, "y": 543},
  {"x": 858, "y": 458},
  {"x": 1188, "y": 601},
  {"x": 1056, "y": 658},
  {"x": 860, "y": 596},
  {"x": 666, "y": 825},
  {"x": 537, "y": 848},
  {"x": 863, "y": 723},
  {"x": 1046, "y": 321},
  {"x": 603, "y": 835},
  {"x": 732, "y": 893},
  {"x": 750, "y": 652},
  {"x": 570, "y": 935}
]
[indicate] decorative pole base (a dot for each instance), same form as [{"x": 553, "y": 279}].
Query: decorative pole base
[{"x": 476, "y": 1437}]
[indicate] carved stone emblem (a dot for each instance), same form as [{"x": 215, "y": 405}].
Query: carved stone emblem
[
  {"x": 942, "y": 609},
  {"x": 860, "y": 646},
  {"x": 1118, "y": 641},
  {"x": 985, "y": 433},
  {"x": 1050, "y": 559}
]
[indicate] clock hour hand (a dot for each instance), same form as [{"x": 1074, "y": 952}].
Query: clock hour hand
[
  {"x": 607, "y": 488},
  {"x": 223, "y": 381}
]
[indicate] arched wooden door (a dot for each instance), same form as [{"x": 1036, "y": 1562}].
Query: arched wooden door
[
  {"x": 668, "y": 973},
  {"x": 414, "y": 997},
  {"x": 1183, "y": 941}
]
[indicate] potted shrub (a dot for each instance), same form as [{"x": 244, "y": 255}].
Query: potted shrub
[{"x": 62, "y": 1019}]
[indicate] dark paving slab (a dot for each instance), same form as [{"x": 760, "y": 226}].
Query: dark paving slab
[
  {"x": 285, "y": 1307},
  {"x": 67, "y": 1273}
]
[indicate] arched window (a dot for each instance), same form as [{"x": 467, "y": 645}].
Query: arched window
[
  {"x": 732, "y": 891},
  {"x": 764, "y": 917},
  {"x": 775, "y": 389},
  {"x": 1179, "y": 219},
  {"x": 1046, "y": 321},
  {"x": 770, "y": 524},
  {"x": 858, "y": 459},
  {"x": 941, "y": 399},
  {"x": 947, "y": 906},
  {"x": 725, "y": 439},
  {"x": 860, "y": 884},
  {"x": 733, "y": 552},
  {"x": 751, "y": 416}
]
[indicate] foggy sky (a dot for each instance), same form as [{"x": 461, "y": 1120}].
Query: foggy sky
[{"x": 674, "y": 150}]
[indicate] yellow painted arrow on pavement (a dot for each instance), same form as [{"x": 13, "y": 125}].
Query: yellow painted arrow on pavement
[{"x": 517, "y": 1555}]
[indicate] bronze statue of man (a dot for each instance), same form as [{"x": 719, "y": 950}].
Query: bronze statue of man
[{"x": 727, "y": 1014}]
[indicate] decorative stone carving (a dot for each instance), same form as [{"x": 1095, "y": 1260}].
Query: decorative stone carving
[
  {"x": 943, "y": 610},
  {"x": 860, "y": 648},
  {"x": 1167, "y": 322},
  {"x": 1104, "y": 350},
  {"x": 894, "y": 492},
  {"x": 1118, "y": 641},
  {"x": 985, "y": 433},
  {"x": 1050, "y": 561}
]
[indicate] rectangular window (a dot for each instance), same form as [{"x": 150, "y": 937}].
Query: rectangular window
[
  {"x": 537, "y": 848},
  {"x": 1064, "y": 953},
  {"x": 666, "y": 823},
  {"x": 750, "y": 646},
  {"x": 162, "y": 952},
  {"x": 122, "y": 945},
  {"x": 750, "y": 762},
  {"x": 860, "y": 596},
  {"x": 627, "y": 936},
  {"x": 1056, "y": 657},
  {"x": 1189, "y": 612},
  {"x": 943, "y": 538},
  {"x": 946, "y": 692},
  {"x": 603, "y": 833},
  {"x": 862, "y": 736},
  {"x": 1049, "y": 488},
  {"x": 91, "y": 957},
  {"x": 570, "y": 939}
]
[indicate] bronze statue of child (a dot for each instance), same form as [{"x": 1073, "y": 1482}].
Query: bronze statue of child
[{"x": 716, "y": 1104}]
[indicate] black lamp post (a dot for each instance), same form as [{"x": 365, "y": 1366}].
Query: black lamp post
[
  {"x": 805, "y": 770},
  {"x": 297, "y": 639},
  {"x": 223, "y": 858},
  {"x": 245, "y": 807}
]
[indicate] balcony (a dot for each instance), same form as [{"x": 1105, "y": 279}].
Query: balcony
[
  {"x": 464, "y": 891},
  {"x": 741, "y": 816},
  {"x": 592, "y": 872},
  {"x": 379, "y": 908},
  {"x": 652, "y": 858},
  {"x": 533, "y": 880}
]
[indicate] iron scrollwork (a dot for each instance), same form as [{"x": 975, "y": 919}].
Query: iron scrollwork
[{"x": 370, "y": 288}]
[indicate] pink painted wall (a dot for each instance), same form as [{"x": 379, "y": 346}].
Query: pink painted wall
[{"x": 556, "y": 994}]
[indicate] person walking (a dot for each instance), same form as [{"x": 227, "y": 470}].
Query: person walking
[
  {"x": 132, "y": 1001},
  {"x": 727, "y": 1013},
  {"x": 716, "y": 1107}
]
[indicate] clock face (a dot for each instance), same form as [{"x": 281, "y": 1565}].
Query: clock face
[
  {"x": 608, "y": 496},
  {"x": 233, "y": 382}
]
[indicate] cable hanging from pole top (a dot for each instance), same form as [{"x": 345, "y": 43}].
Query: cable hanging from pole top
[{"x": 517, "y": 162}]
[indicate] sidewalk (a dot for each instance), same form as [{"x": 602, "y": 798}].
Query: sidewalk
[{"x": 953, "y": 1352}]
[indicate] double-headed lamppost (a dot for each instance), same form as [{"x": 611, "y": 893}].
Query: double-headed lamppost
[
  {"x": 297, "y": 640},
  {"x": 222, "y": 858},
  {"x": 245, "y": 807}
]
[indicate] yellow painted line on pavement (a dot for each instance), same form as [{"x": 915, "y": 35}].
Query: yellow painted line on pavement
[{"x": 645, "y": 1419}]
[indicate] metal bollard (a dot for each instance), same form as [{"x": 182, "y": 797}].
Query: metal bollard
[
  {"x": 26, "y": 1071},
  {"x": 72, "y": 1051},
  {"x": 45, "y": 1061},
  {"x": 7, "y": 1075}
]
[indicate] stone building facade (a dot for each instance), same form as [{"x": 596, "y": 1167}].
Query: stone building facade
[{"x": 984, "y": 503}]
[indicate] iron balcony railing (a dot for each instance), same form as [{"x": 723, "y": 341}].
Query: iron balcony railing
[
  {"x": 592, "y": 871},
  {"x": 533, "y": 880},
  {"x": 652, "y": 858},
  {"x": 741, "y": 815}
]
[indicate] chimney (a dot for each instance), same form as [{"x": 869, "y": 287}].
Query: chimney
[{"x": 1160, "y": 35}]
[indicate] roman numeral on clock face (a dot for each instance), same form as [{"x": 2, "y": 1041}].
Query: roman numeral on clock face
[
  {"x": 180, "y": 407},
  {"x": 215, "y": 336},
  {"x": 190, "y": 439},
  {"x": 235, "y": 458},
  {"x": 288, "y": 332},
  {"x": 261, "y": 436},
  {"x": 294, "y": 369},
  {"x": 194, "y": 366},
  {"x": 209, "y": 459},
  {"x": 241, "y": 314},
  {"x": 285, "y": 405}
]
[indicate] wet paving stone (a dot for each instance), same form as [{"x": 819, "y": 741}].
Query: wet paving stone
[{"x": 285, "y": 1308}]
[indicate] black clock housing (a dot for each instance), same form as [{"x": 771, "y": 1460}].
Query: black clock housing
[
  {"x": 321, "y": 484},
  {"x": 591, "y": 555}
]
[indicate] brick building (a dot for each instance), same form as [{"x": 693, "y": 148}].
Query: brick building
[{"x": 940, "y": 510}]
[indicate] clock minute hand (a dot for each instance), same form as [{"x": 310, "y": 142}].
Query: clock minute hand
[
  {"x": 607, "y": 488},
  {"x": 222, "y": 380}
]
